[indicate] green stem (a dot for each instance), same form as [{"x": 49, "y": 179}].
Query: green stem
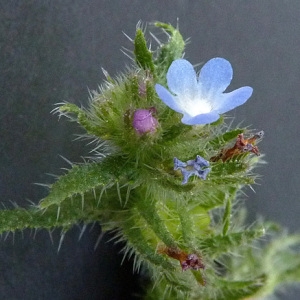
[
  {"x": 141, "y": 246},
  {"x": 148, "y": 211},
  {"x": 187, "y": 227},
  {"x": 227, "y": 215}
]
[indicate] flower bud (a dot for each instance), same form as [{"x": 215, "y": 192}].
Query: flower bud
[{"x": 143, "y": 121}]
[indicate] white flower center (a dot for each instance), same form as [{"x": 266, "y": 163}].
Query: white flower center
[{"x": 197, "y": 107}]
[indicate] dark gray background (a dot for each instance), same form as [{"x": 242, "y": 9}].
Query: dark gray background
[{"x": 53, "y": 51}]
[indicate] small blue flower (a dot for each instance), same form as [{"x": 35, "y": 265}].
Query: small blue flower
[
  {"x": 201, "y": 99},
  {"x": 192, "y": 167}
]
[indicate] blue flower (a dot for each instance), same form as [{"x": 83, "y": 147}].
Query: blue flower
[
  {"x": 200, "y": 98},
  {"x": 192, "y": 167}
]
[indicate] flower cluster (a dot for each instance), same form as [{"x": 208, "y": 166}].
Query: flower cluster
[{"x": 201, "y": 100}]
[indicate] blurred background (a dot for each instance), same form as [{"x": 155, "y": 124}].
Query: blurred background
[{"x": 53, "y": 51}]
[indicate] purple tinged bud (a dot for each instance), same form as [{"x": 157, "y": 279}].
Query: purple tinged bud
[
  {"x": 143, "y": 84},
  {"x": 142, "y": 89},
  {"x": 143, "y": 121},
  {"x": 193, "y": 262}
]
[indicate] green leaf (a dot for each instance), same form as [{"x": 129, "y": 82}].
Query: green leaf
[
  {"x": 210, "y": 199},
  {"x": 81, "y": 117},
  {"x": 88, "y": 208},
  {"x": 34, "y": 218},
  {"x": 18, "y": 219},
  {"x": 229, "y": 167},
  {"x": 148, "y": 211},
  {"x": 79, "y": 180},
  {"x": 236, "y": 290},
  {"x": 219, "y": 244},
  {"x": 221, "y": 140},
  {"x": 174, "y": 131},
  {"x": 227, "y": 216},
  {"x": 289, "y": 267},
  {"x": 169, "y": 51},
  {"x": 143, "y": 55},
  {"x": 132, "y": 89},
  {"x": 142, "y": 247},
  {"x": 284, "y": 250}
]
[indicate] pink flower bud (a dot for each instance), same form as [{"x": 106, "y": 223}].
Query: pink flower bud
[{"x": 143, "y": 121}]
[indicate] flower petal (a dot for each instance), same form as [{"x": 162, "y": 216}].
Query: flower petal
[
  {"x": 167, "y": 98},
  {"x": 200, "y": 119},
  {"x": 215, "y": 76},
  {"x": 201, "y": 161},
  {"x": 178, "y": 164},
  {"x": 203, "y": 173},
  {"x": 182, "y": 79},
  {"x": 233, "y": 99}
]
